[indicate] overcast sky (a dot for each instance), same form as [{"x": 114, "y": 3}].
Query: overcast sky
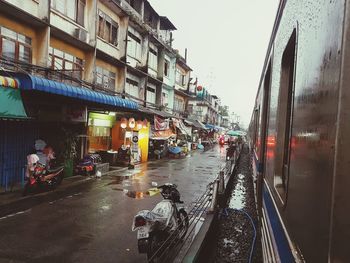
[{"x": 226, "y": 41}]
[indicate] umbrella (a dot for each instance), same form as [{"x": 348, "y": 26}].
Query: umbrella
[
  {"x": 174, "y": 150},
  {"x": 236, "y": 133}
]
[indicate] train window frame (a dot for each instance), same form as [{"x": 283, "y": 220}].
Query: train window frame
[{"x": 285, "y": 117}]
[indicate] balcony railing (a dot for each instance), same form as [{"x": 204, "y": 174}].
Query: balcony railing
[{"x": 66, "y": 76}]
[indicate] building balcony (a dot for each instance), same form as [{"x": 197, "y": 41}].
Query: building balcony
[
  {"x": 108, "y": 48},
  {"x": 134, "y": 14},
  {"x": 33, "y": 7},
  {"x": 70, "y": 77},
  {"x": 30, "y": 12},
  {"x": 64, "y": 26}
]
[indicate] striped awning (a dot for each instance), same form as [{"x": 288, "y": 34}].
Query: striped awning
[
  {"x": 11, "y": 105},
  {"x": 7, "y": 82}
]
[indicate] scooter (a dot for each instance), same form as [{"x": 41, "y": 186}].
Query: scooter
[
  {"x": 167, "y": 218},
  {"x": 222, "y": 141},
  {"x": 231, "y": 151},
  {"x": 43, "y": 179}
]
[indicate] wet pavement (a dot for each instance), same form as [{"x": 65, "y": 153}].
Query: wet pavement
[{"x": 93, "y": 222}]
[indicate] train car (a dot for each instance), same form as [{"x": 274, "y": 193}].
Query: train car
[{"x": 300, "y": 134}]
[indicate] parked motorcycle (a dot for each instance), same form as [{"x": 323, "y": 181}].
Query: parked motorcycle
[
  {"x": 167, "y": 218},
  {"x": 43, "y": 178},
  {"x": 123, "y": 156}
]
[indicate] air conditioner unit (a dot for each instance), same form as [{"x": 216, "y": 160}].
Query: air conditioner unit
[{"x": 81, "y": 34}]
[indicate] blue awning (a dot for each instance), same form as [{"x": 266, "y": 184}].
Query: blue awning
[
  {"x": 30, "y": 82},
  {"x": 212, "y": 127}
]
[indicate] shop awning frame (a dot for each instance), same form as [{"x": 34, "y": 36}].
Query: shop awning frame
[
  {"x": 195, "y": 123},
  {"x": 150, "y": 111},
  {"x": 31, "y": 82}
]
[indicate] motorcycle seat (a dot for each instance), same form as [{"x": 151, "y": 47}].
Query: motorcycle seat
[
  {"x": 55, "y": 170},
  {"x": 159, "y": 217}
]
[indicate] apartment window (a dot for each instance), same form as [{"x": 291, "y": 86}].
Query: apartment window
[
  {"x": 107, "y": 28},
  {"x": 136, "y": 5},
  {"x": 74, "y": 9},
  {"x": 179, "y": 105},
  {"x": 15, "y": 46},
  {"x": 80, "y": 12},
  {"x": 66, "y": 63},
  {"x": 165, "y": 98},
  {"x": 190, "y": 108},
  {"x": 105, "y": 78},
  {"x": 153, "y": 59},
  {"x": 151, "y": 95},
  {"x": 284, "y": 118},
  {"x": 134, "y": 46},
  {"x": 180, "y": 78},
  {"x": 132, "y": 88},
  {"x": 166, "y": 68}
]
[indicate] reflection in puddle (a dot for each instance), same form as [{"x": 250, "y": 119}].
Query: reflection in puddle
[
  {"x": 237, "y": 200},
  {"x": 140, "y": 194},
  {"x": 135, "y": 194}
]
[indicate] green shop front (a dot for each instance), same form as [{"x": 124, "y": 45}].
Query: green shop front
[{"x": 16, "y": 135}]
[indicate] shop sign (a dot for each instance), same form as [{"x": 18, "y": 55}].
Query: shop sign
[
  {"x": 101, "y": 120},
  {"x": 135, "y": 145},
  {"x": 76, "y": 114},
  {"x": 134, "y": 148}
]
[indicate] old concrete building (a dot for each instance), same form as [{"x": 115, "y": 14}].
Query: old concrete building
[
  {"x": 182, "y": 84},
  {"x": 204, "y": 107}
]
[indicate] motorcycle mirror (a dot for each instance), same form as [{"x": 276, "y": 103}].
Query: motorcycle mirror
[{"x": 154, "y": 184}]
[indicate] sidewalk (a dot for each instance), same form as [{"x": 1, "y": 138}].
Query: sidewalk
[{"x": 12, "y": 202}]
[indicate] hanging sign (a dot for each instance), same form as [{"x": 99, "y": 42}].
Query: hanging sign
[{"x": 160, "y": 124}]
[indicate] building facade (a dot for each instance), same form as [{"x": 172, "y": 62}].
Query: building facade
[{"x": 84, "y": 66}]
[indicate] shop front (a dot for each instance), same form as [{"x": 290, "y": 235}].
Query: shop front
[
  {"x": 131, "y": 133},
  {"x": 59, "y": 113},
  {"x": 99, "y": 132},
  {"x": 16, "y": 134}
]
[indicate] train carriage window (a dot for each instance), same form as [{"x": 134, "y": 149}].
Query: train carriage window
[
  {"x": 256, "y": 129},
  {"x": 284, "y": 118}
]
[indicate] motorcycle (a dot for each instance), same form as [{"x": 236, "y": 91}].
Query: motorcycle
[
  {"x": 231, "y": 151},
  {"x": 43, "y": 178},
  {"x": 167, "y": 218},
  {"x": 123, "y": 156},
  {"x": 222, "y": 141}
]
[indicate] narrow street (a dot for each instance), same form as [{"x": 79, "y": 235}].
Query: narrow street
[{"x": 94, "y": 223}]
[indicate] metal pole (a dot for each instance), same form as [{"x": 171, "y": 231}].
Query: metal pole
[
  {"x": 221, "y": 182},
  {"x": 214, "y": 197}
]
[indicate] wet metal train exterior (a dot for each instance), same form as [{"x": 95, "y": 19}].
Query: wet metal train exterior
[{"x": 300, "y": 134}]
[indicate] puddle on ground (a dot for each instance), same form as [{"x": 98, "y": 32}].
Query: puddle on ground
[
  {"x": 139, "y": 194},
  {"x": 119, "y": 179},
  {"x": 135, "y": 194},
  {"x": 238, "y": 198}
]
